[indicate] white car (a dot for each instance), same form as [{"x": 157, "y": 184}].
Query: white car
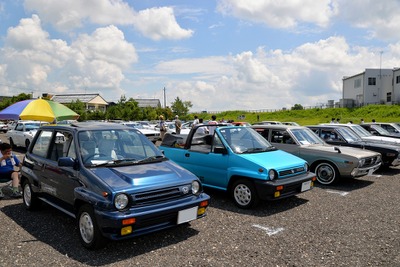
[
  {"x": 3, "y": 127},
  {"x": 367, "y": 136},
  {"x": 171, "y": 128},
  {"x": 152, "y": 135},
  {"x": 23, "y": 133}
]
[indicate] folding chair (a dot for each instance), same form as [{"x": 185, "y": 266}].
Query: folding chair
[{"x": 5, "y": 184}]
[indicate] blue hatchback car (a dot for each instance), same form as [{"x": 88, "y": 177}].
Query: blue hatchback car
[
  {"x": 112, "y": 179},
  {"x": 241, "y": 162}
]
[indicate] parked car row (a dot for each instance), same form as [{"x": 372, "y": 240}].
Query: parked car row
[{"x": 117, "y": 184}]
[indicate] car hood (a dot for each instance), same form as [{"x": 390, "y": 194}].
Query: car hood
[
  {"x": 349, "y": 151},
  {"x": 144, "y": 176},
  {"x": 277, "y": 159},
  {"x": 384, "y": 139}
]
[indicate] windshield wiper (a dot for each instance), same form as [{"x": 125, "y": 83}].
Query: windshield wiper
[
  {"x": 258, "y": 149},
  {"x": 151, "y": 159}
]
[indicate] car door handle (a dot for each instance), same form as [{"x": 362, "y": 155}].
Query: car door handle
[{"x": 187, "y": 155}]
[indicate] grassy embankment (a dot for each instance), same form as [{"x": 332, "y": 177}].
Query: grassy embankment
[{"x": 383, "y": 113}]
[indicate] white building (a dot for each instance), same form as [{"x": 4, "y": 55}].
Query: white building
[{"x": 373, "y": 86}]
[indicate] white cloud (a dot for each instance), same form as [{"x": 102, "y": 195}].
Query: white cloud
[
  {"x": 30, "y": 59},
  {"x": 310, "y": 74},
  {"x": 380, "y": 18},
  {"x": 65, "y": 15},
  {"x": 160, "y": 23},
  {"x": 281, "y": 14}
]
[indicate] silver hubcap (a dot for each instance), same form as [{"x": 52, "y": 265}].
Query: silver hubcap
[
  {"x": 242, "y": 194},
  {"x": 27, "y": 195},
  {"x": 86, "y": 227},
  {"x": 325, "y": 174}
]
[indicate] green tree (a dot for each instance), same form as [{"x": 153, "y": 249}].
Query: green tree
[
  {"x": 181, "y": 108},
  {"x": 297, "y": 107},
  {"x": 79, "y": 107},
  {"x": 9, "y": 101}
]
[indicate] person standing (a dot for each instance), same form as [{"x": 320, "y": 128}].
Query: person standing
[
  {"x": 178, "y": 125},
  {"x": 196, "y": 121},
  {"x": 163, "y": 127},
  {"x": 213, "y": 121},
  {"x": 8, "y": 162}
]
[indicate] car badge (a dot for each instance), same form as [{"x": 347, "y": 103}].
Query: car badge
[{"x": 185, "y": 190}]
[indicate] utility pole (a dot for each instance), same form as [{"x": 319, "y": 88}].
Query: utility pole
[{"x": 165, "y": 100}]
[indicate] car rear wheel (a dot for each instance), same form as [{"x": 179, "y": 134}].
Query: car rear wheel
[
  {"x": 244, "y": 194},
  {"x": 326, "y": 173},
  {"x": 89, "y": 232},
  {"x": 31, "y": 201},
  {"x": 12, "y": 143},
  {"x": 27, "y": 143}
]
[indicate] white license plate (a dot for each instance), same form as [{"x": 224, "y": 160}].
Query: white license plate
[
  {"x": 305, "y": 186},
  {"x": 187, "y": 215}
]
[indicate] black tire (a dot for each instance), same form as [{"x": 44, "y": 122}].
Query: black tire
[
  {"x": 27, "y": 143},
  {"x": 326, "y": 173},
  {"x": 88, "y": 229},
  {"x": 29, "y": 198},
  {"x": 244, "y": 194},
  {"x": 12, "y": 143}
]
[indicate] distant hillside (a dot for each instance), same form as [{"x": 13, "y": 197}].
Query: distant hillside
[{"x": 383, "y": 113}]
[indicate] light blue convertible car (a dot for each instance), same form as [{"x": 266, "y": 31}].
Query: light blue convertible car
[{"x": 239, "y": 160}]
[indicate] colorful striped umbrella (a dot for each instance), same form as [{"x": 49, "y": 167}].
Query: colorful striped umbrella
[{"x": 38, "y": 109}]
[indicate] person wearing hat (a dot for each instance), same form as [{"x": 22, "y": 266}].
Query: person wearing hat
[
  {"x": 163, "y": 127},
  {"x": 178, "y": 125}
]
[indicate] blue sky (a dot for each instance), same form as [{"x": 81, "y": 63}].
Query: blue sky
[{"x": 219, "y": 55}]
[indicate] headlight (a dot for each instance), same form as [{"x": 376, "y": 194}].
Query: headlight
[
  {"x": 361, "y": 162},
  {"x": 306, "y": 168},
  {"x": 195, "y": 187},
  {"x": 272, "y": 174},
  {"x": 121, "y": 201}
]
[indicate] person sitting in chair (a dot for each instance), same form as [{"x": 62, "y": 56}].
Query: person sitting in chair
[{"x": 7, "y": 172}]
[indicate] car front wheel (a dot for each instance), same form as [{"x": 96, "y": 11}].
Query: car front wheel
[
  {"x": 31, "y": 201},
  {"x": 326, "y": 173},
  {"x": 89, "y": 232},
  {"x": 244, "y": 194}
]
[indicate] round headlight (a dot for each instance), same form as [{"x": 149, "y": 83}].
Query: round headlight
[
  {"x": 306, "y": 167},
  {"x": 361, "y": 162},
  {"x": 121, "y": 201},
  {"x": 195, "y": 187},
  {"x": 272, "y": 174}
]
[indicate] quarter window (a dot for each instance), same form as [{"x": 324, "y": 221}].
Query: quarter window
[{"x": 41, "y": 145}]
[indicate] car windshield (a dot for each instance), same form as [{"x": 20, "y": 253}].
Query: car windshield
[
  {"x": 32, "y": 126},
  {"x": 348, "y": 135},
  {"x": 306, "y": 136},
  {"x": 360, "y": 131},
  {"x": 380, "y": 130},
  {"x": 245, "y": 140},
  {"x": 135, "y": 125},
  {"x": 112, "y": 147}
]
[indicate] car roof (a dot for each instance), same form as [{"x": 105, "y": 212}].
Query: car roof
[
  {"x": 277, "y": 126},
  {"x": 88, "y": 126}
]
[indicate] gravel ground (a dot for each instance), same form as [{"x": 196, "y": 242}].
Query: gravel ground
[{"x": 355, "y": 223}]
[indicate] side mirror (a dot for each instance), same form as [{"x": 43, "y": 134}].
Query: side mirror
[
  {"x": 66, "y": 162},
  {"x": 220, "y": 150}
]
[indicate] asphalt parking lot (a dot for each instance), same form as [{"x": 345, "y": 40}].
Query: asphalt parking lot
[{"x": 355, "y": 223}]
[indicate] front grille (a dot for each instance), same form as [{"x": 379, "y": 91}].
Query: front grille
[
  {"x": 371, "y": 161},
  {"x": 291, "y": 172},
  {"x": 151, "y": 197}
]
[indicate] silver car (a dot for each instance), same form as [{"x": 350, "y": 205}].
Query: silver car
[{"x": 328, "y": 162}]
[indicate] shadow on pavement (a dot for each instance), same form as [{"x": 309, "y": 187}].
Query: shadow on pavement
[
  {"x": 221, "y": 200},
  {"x": 58, "y": 230}
]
